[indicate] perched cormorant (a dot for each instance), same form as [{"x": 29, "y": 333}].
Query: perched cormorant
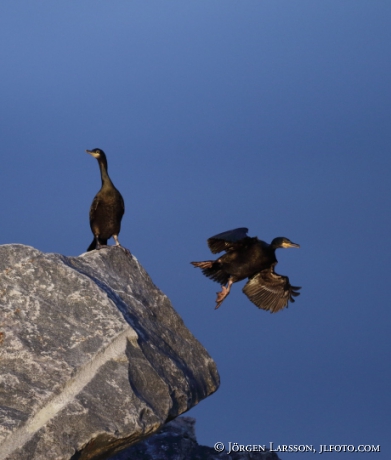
[
  {"x": 251, "y": 258},
  {"x": 107, "y": 208}
]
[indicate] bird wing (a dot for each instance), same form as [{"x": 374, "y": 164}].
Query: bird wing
[
  {"x": 270, "y": 291},
  {"x": 94, "y": 206},
  {"x": 227, "y": 240},
  {"x": 122, "y": 203}
]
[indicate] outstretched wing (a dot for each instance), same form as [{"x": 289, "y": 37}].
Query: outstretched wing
[
  {"x": 270, "y": 291},
  {"x": 227, "y": 240}
]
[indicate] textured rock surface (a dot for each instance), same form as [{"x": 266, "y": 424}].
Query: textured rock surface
[
  {"x": 177, "y": 441},
  {"x": 93, "y": 356}
]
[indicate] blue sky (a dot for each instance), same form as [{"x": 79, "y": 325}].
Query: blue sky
[{"x": 273, "y": 115}]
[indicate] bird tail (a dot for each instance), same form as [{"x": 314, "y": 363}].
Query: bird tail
[
  {"x": 212, "y": 270},
  {"x": 203, "y": 265},
  {"x": 93, "y": 245}
]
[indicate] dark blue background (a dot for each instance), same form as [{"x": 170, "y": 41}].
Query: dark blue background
[{"x": 273, "y": 115}]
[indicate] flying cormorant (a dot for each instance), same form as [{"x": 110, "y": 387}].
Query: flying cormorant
[
  {"x": 107, "y": 208},
  {"x": 247, "y": 257}
]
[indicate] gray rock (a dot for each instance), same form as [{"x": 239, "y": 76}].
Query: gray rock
[
  {"x": 93, "y": 356},
  {"x": 177, "y": 441}
]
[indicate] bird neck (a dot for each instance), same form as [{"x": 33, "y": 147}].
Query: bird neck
[
  {"x": 271, "y": 249},
  {"x": 103, "y": 173}
]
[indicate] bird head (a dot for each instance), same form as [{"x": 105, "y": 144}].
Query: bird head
[
  {"x": 97, "y": 153},
  {"x": 282, "y": 242}
]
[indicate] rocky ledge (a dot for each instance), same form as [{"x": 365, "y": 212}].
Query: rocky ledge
[
  {"x": 93, "y": 356},
  {"x": 177, "y": 441}
]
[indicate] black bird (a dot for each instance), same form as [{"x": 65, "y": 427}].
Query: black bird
[
  {"x": 247, "y": 257},
  {"x": 107, "y": 208}
]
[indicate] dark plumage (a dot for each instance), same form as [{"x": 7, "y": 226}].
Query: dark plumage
[
  {"x": 251, "y": 258},
  {"x": 107, "y": 208}
]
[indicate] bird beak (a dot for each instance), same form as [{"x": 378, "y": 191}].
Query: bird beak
[
  {"x": 92, "y": 153},
  {"x": 290, "y": 245}
]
